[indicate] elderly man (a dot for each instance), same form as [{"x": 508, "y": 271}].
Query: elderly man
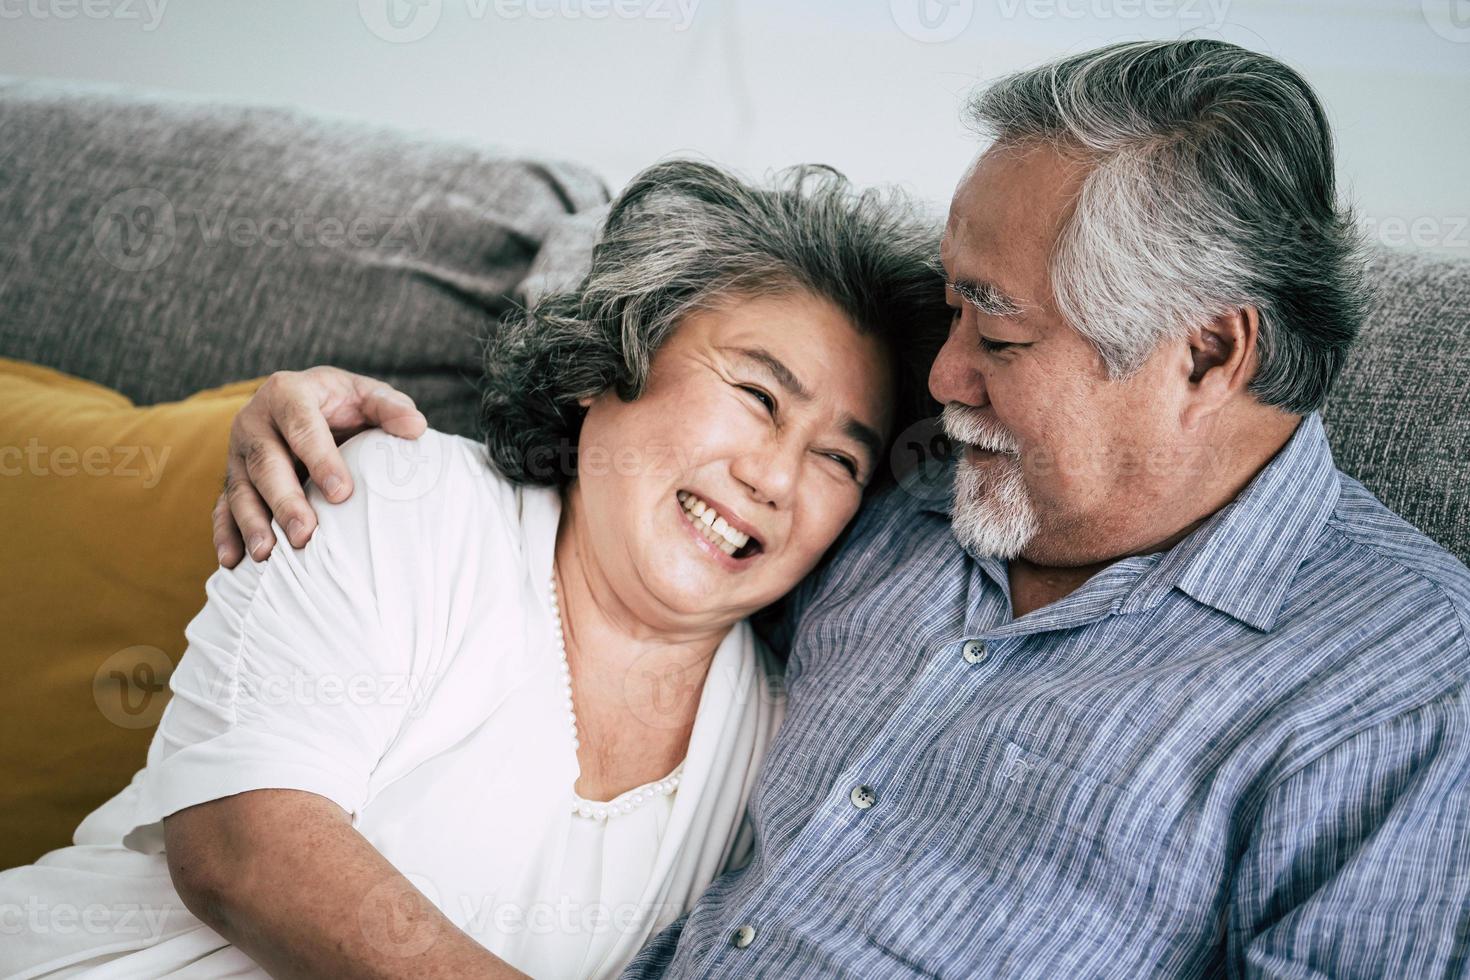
[{"x": 1157, "y": 691}]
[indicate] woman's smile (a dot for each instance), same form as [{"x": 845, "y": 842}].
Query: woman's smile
[{"x": 726, "y": 545}]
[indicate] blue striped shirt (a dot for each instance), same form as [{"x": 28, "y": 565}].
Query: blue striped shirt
[{"x": 1245, "y": 756}]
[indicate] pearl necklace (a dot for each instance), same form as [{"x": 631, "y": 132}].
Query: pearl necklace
[{"x": 626, "y": 802}]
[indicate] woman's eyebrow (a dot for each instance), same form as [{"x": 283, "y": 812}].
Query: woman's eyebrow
[{"x": 775, "y": 367}]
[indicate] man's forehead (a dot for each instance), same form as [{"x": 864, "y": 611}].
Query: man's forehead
[
  {"x": 978, "y": 212},
  {"x": 963, "y": 247},
  {"x": 1006, "y": 214}
]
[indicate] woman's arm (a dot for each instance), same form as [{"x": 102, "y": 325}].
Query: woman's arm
[{"x": 283, "y": 875}]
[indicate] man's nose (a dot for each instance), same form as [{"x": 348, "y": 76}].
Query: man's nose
[{"x": 955, "y": 374}]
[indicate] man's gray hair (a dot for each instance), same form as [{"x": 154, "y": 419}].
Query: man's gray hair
[
  {"x": 686, "y": 236},
  {"x": 1211, "y": 189}
]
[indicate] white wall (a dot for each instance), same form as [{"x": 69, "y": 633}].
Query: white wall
[{"x": 861, "y": 84}]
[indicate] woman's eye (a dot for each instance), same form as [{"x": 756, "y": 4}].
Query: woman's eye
[
  {"x": 764, "y": 398},
  {"x": 847, "y": 463}
]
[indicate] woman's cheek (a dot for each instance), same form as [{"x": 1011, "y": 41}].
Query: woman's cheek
[{"x": 821, "y": 523}]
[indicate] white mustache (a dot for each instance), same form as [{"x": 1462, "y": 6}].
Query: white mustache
[{"x": 970, "y": 426}]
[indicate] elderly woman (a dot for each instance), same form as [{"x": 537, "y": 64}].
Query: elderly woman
[{"x": 503, "y": 712}]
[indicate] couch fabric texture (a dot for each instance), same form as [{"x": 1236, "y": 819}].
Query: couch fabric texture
[
  {"x": 159, "y": 246},
  {"x": 1399, "y": 417}
]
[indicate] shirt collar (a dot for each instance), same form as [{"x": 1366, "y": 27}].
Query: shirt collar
[
  {"x": 540, "y": 517},
  {"x": 1243, "y": 558},
  {"x": 936, "y": 493}
]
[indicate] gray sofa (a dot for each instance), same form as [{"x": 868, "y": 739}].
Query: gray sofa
[{"x": 159, "y": 246}]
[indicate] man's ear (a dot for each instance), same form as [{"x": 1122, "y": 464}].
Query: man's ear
[
  {"x": 585, "y": 401},
  {"x": 1223, "y": 360}
]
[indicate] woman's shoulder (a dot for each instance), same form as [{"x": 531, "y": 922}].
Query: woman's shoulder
[
  {"x": 436, "y": 463},
  {"x": 434, "y": 502},
  {"x": 431, "y": 476}
]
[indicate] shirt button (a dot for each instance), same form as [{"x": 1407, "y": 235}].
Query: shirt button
[
  {"x": 743, "y": 937},
  {"x": 863, "y": 797},
  {"x": 975, "y": 652}
]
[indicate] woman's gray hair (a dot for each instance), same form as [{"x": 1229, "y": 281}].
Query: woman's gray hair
[
  {"x": 686, "y": 236},
  {"x": 1211, "y": 189}
]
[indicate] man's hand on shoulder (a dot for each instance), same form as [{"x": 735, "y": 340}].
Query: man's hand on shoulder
[{"x": 297, "y": 419}]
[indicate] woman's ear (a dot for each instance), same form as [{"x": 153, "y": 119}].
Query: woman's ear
[{"x": 585, "y": 401}]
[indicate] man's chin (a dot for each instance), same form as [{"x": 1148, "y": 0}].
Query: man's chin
[
  {"x": 987, "y": 548},
  {"x": 984, "y": 532},
  {"x": 976, "y": 456},
  {"x": 991, "y": 512}
]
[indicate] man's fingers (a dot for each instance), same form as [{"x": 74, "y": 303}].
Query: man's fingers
[
  {"x": 392, "y": 411},
  {"x": 300, "y": 416},
  {"x": 228, "y": 544},
  {"x": 249, "y": 512},
  {"x": 272, "y": 475},
  {"x": 296, "y": 413}
]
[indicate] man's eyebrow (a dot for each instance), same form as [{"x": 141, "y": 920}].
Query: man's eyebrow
[
  {"x": 986, "y": 297},
  {"x": 775, "y": 367}
]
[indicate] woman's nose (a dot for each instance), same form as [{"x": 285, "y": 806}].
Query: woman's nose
[
  {"x": 769, "y": 473},
  {"x": 955, "y": 374}
]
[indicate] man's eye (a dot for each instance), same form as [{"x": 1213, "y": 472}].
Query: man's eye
[
  {"x": 994, "y": 346},
  {"x": 764, "y": 398}
]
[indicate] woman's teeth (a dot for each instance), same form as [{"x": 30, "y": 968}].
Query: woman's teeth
[{"x": 712, "y": 525}]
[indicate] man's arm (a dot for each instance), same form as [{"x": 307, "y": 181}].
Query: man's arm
[
  {"x": 1360, "y": 862},
  {"x": 298, "y": 415},
  {"x": 283, "y": 875}
]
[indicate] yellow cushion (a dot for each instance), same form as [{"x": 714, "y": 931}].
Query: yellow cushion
[{"x": 106, "y": 546}]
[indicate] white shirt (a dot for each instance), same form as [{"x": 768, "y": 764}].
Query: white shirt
[{"x": 403, "y": 664}]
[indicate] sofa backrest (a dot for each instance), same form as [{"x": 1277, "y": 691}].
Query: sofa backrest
[
  {"x": 160, "y": 246},
  {"x": 1399, "y": 417}
]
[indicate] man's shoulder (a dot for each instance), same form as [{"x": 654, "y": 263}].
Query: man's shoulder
[
  {"x": 1377, "y": 614},
  {"x": 899, "y": 510},
  {"x": 895, "y": 531},
  {"x": 891, "y": 526},
  {"x": 1410, "y": 567}
]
